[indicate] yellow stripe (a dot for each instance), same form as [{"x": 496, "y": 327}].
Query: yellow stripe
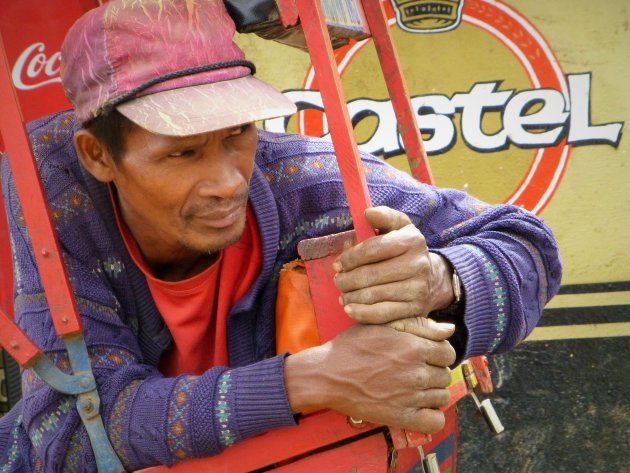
[
  {"x": 456, "y": 375},
  {"x": 566, "y": 332},
  {"x": 591, "y": 299}
]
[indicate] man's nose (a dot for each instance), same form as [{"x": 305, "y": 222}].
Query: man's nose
[{"x": 221, "y": 178}]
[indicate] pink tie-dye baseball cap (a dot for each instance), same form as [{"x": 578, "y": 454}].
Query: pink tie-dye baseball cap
[{"x": 170, "y": 66}]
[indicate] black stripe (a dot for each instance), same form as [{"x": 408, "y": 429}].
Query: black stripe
[
  {"x": 585, "y": 315},
  {"x": 174, "y": 75},
  {"x": 616, "y": 286}
]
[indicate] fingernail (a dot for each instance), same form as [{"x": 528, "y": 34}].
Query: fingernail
[
  {"x": 347, "y": 309},
  {"x": 446, "y": 326},
  {"x": 340, "y": 300},
  {"x": 337, "y": 266}
]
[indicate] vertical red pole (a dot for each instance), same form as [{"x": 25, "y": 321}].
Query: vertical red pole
[
  {"x": 341, "y": 131},
  {"x": 45, "y": 247},
  {"x": 388, "y": 57}
]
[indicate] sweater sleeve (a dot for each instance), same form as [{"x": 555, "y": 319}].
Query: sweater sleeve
[
  {"x": 506, "y": 257},
  {"x": 150, "y": 419}
]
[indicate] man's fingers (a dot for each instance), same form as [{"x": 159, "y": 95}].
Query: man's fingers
[
  {"x": 440, "y": 354},
  {"x": 372, "y": 250},
  {"x": 406, "y": 290},
  {"x": 435, "y": 377},
  {"x": 428, "y": 421},
  {"x": 385, "y": 219},
  {"x": 359, "y": 272},
  {"x": 423, "y": 327},
  {"x": 380, "y": 274},
  {"x": 382, "y": 312}
]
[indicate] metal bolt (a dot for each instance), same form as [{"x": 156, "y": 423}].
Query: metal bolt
[
  {"x": 64, "y": 319},
  {"x": 356, "y": 422},
  {"x": 87, "y": 405},
  {"x": 85, "y": 383},
  {"x": 45, "y": 252},
  {"x": 14, "y": 344}
]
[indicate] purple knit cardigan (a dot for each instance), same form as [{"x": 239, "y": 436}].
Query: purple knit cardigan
[{"x": 506, "y": 257}]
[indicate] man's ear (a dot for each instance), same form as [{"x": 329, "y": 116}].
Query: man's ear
[{"x": 94, "y": 156}]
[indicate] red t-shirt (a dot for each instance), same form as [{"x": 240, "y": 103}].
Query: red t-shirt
[{"x": 196, "y": 309}]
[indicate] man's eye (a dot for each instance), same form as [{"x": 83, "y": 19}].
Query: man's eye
[
  {"x": 240, "y": 129},
  {"x": 182, "y": 154}
]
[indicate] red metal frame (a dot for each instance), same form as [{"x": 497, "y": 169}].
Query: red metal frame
[{"x": 13, "y": 340}]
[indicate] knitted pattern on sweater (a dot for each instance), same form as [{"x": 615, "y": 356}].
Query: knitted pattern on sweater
[{"x": 507, "y": 260}]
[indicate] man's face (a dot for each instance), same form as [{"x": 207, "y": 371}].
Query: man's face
[{"x": 182, "y": 197}]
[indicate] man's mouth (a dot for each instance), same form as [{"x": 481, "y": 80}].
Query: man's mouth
[{"x": 220, "y": 218}]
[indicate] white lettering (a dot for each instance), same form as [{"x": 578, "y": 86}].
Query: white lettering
[
  {"x": 580, "y": 129},
  {"x": 439, "y": 124},
  {"x": 518, "y": 122},
  {"x": 474, "y": 105},
  {"x": 385, "y": 140},
  {"x": 551, "y": 120},
  {"x": 32, "y": 64}
]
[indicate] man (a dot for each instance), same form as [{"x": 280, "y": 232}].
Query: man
[{"x": 175, "y": 216}]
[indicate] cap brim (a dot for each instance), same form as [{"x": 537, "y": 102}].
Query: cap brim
[{"x": 207, "y": 107}]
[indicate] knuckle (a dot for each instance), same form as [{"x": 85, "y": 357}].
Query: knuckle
[
  {"x": 358, "y": 313},
  {"x": 397, "y": 325},
  {"x": 445, "y": 397},
  {"x": 416, "y": 308},
  {"x": 415, "y": 286},
  {"x": 451, "y": 356},
  {"x": 365, "y": 314},
  {"x": 414, "y": 323},
  {"x": 352, "y": 297},
  {"x": 364, "y": 278},
  {"x": 340, "y": 281},
  {"x": 438, "y": 422},
  {"x": 347, "y": 258},
  {"x": 447, "y": 378},
  {"x": 373, "y": 248},
  {"x": 389, "y": 311},
  {"x": 446, "y": 353},
  {"x": 422, "y": 379},
  {"x": 417, "y": 235}
]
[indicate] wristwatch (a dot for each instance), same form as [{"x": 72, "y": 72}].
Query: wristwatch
[{"x": 457, "y": 287}]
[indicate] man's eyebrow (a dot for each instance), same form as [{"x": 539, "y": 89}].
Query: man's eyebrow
[{"x": 179, "y": 141}]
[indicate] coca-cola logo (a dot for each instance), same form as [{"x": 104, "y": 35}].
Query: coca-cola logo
[{"x": 34, "y": 68}]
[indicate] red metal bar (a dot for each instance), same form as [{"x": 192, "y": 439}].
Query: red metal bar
[
  {"x": 45, "y": 246},
  {"x": 319, "y": 254},
  {"x": 288, "y": 12},
  {"x": 341, "y": 131},
  {"x": 390, "y": 64},
  {"x": 316, "y": 430},
  {"x": 13, "y": 340},
  {"x": 368, "y": 455}
]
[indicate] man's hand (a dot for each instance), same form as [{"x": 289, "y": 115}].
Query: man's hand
[
  {"x": 392, "y": 276},
  {"x": 377, "y": 374}
]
